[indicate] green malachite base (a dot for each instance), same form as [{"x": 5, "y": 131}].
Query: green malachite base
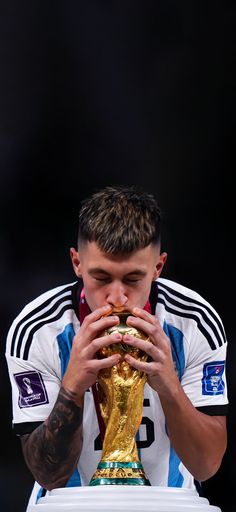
[
  {"x": 124, "y": 465},
  {"x": 120, "y": 481},
  {"x": 119, "y": 473}
]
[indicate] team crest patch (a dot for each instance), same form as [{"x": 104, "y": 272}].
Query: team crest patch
[
  {"x": 32, "y": 390},
  {"x": 212, "y": 381}
]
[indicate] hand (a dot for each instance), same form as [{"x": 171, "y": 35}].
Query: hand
[
  {"x": 159, "y": 367},
  {"x": 83, "y": 366}
]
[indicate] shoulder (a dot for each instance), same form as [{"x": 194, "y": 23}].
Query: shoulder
[
  {"x": 45, "y": 299},
  {"x": 190, "y": 308},
  {"x": 45, "y": 309},
  {"x": 172, "y": 290}
]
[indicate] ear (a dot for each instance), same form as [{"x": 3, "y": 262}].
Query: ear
[
  {"x": 75, "y": 258},
  {"x": 160, "y": 264}
]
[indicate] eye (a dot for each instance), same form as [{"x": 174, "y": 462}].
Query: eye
[
  {"x": 132, "y": 281},
  {"x": 102, "y": 279}
]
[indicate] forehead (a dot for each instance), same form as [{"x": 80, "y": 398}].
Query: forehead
[{"x": 92, "y": 257}]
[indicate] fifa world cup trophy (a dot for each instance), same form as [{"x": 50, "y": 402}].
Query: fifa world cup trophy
[{"x": 121, "y": 392}]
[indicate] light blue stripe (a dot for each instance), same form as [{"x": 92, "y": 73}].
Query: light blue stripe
[
  {"x": 138, "y": 439},
  {"x": 177, "y": 346},
  {"x": 175, "y": 479},
  {"x": 39, "y": 495},
  {"x": 74, "y": 480},
  {"x": 64, "y": 341}
]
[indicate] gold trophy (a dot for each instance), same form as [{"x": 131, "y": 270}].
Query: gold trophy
[{"x": 120, "y": 394}]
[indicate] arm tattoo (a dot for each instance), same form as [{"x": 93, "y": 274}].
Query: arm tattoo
[{"x": 51, "y": 451}]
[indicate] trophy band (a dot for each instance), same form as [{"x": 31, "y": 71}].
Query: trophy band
[{"x": 120, "y": 396}]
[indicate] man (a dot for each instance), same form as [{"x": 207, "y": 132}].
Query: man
[{"x": 52, "y": 346}]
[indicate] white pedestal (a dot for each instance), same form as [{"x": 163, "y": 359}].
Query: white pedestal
[{"x": 122, "y": 498}]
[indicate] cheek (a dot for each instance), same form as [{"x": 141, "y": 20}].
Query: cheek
[
  {"x": 95, "y": 297},
  {"x": 145, "y": 292}
]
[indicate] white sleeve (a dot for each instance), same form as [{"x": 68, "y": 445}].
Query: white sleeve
[
  {"x": 204, "y": 379},
  {"x": 35, "y": 381}
]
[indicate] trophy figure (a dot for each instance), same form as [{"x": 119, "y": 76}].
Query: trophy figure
[{"x": 120, "y": 394}]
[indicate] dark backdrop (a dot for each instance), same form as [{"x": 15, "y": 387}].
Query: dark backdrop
[{"x": 106, "y": 92}]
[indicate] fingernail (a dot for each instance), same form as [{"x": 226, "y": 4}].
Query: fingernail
[
  {"x": 117, "y": 336},
  {"x": 131, "y": 319},
  {"x": 115, "y": 318}
]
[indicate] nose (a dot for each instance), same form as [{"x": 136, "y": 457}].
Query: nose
[{"x": 116, "y": 296}]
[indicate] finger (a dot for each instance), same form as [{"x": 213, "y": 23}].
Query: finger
[
  {"x": 142, "y": 366},
  {"x": 107, "y": 362},
  {"x": 99, "y": 343},
  {"x": 143, "y": 345},
  {"x": 90, "y": 330},
  {"x": 151, "y": 328},
  {"x": 99, "y": 312},
  {"x": 142, "y": 313}
]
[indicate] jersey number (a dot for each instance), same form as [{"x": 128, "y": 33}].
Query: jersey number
[{"x": 140, "y": 444}]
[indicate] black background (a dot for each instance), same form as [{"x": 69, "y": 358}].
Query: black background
[{"x": 105, "y": 92}]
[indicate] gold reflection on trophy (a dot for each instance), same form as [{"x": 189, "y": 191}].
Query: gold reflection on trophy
[{"x": 121, "y": 393}]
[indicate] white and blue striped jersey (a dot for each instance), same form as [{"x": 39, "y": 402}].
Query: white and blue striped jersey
[{"x": 38, "y": 349}]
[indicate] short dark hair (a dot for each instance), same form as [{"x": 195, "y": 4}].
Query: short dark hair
[{"x": 120, "y": 219}]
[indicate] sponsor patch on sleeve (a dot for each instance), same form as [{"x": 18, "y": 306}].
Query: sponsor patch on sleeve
[
  {"x": 212, "y": 381},
  {"x": 32, "y": 389}
]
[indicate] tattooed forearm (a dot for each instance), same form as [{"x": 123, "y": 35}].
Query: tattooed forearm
[{"x": 51, "y": 451}]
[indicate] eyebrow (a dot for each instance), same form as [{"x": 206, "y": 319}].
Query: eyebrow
[{"x": 97, "y": 270}]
